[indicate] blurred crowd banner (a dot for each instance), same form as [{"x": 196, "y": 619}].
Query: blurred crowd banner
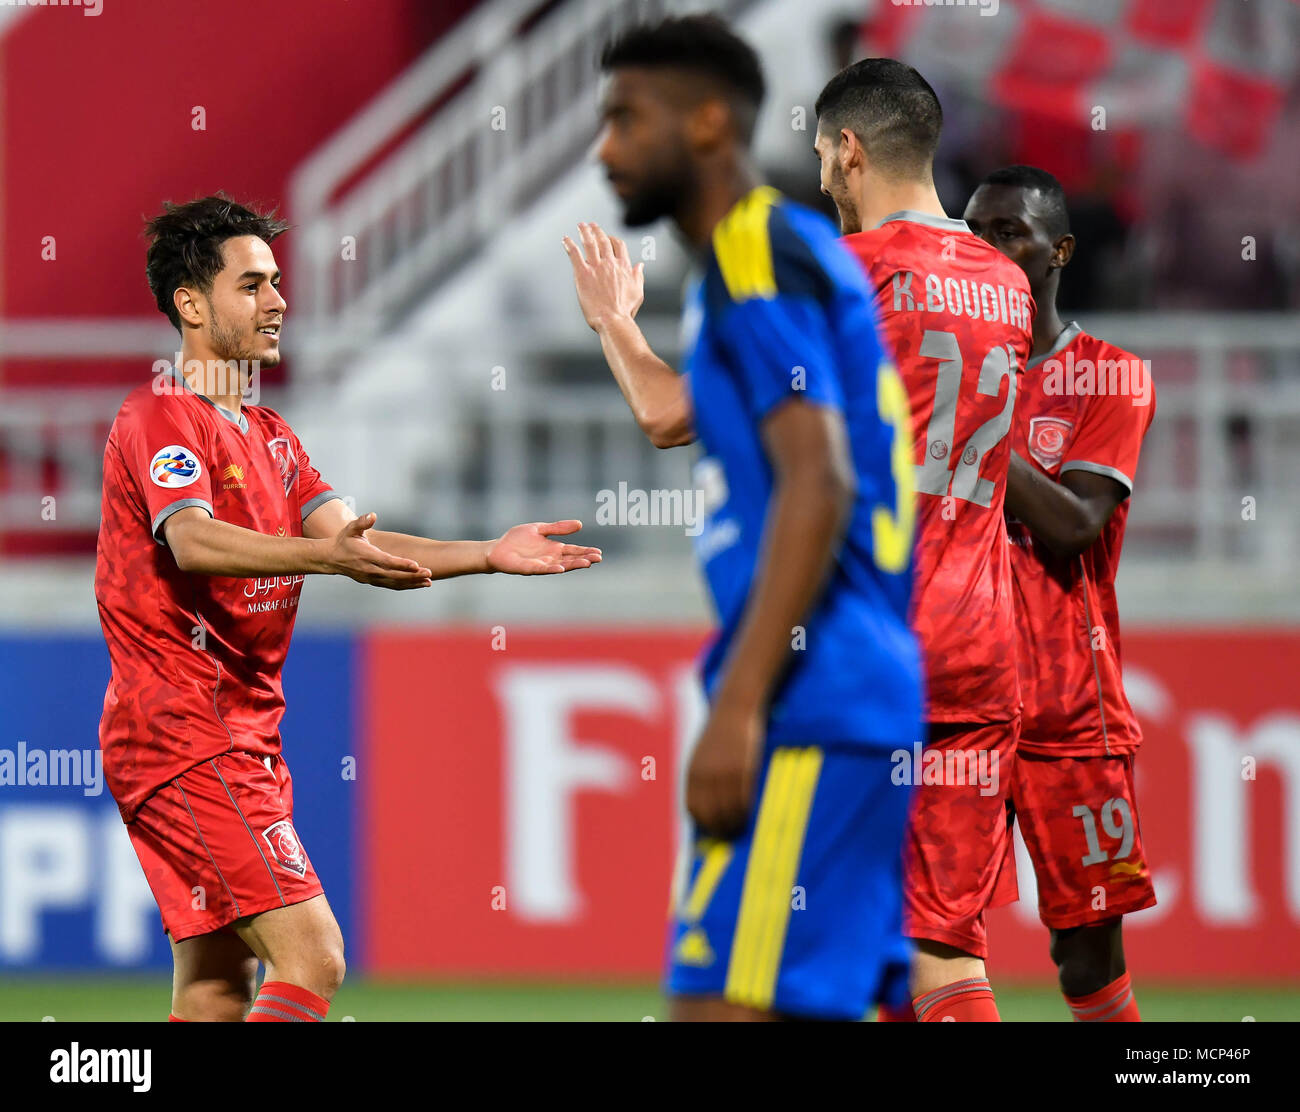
[
  {"x": 501, "y": 803},
  {"x": 1216, "y": 69}
]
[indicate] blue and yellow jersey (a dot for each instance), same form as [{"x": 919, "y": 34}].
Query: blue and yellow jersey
[{"x": 783, "y": 312}]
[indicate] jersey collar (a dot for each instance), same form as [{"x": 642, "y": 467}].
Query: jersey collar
[
  {"x": 1063, "y": 341},
  {"x": 947, "y": 223},
  {"x": 241, "y": 421}
]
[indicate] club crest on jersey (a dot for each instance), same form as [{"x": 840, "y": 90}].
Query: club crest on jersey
[
  {"x": 174, "y": 466},
  {"x": 1047, "y": 438},
  {"x": 285, "y": 846},
  {"x": 282, "y": 453}
]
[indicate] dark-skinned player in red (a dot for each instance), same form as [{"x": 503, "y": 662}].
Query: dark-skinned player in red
[{"x": 1080, "y": 420}]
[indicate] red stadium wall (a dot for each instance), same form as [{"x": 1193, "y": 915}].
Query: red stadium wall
[
  {"x": 518, "y": 811},
  {"x": 96, "y": 131},
  {"x": 97, "y": 124}
]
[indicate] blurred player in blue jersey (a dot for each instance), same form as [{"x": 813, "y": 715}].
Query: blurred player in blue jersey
[{"x": 793, "y": 903}]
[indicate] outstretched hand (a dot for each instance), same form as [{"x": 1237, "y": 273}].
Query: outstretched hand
[
  {"x": 351, "y": 554},
  {"x": 528, "y": 550},
  {"x": 608, "y": 284}
]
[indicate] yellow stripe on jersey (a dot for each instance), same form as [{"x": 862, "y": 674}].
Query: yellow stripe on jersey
[
  {"x": 744, "y": 249},
  {"x": 717, "y": 856},
  {"x": 773, "y": 866},
  {"x": 892, "y": 534}
]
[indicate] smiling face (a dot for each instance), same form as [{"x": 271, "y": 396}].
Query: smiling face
[
  {"x": 245, "y": 309},
  {"x": 1013, "y": 218},
  {"x": 642, "y": 142}
]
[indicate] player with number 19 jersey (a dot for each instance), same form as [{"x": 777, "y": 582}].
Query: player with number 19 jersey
[
  {"x": 1080, "y": 734},
  {"x": 958, "y": 317}
]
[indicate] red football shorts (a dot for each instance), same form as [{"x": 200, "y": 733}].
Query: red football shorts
[
  {"x": 217, "y": 844},
  {"x": 1079, "y": 819},
  {"x": 958, "y": 858}
]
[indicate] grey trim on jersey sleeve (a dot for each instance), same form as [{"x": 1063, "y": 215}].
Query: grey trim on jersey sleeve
[
  {"x": 317, "y": 502},
  {"x": 1098, "y": 469},
  {"x": 167, "y": 512}
]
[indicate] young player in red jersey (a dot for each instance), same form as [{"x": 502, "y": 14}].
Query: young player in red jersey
[
  {"x": 212, "y": 516},
  {"x": 1083, "y": 411},
  {"x": 958, "y": 318}
]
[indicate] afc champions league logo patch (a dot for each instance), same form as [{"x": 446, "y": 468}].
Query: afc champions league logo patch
[
  {"x": 174, "y": 466},
  {"x": 284, "y": 844},
  {"x": 285, "y": 460},
  {"x": 1047, "y": 439}
]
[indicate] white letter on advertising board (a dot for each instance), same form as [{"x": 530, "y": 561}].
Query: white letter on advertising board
[{"x": 546, "y": 767}]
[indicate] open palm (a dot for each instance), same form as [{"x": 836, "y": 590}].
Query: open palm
[{"x": 528, "y": 550}]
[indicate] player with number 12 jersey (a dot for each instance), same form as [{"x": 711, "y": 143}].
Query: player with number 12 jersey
[{"x": 958, "y": 319}]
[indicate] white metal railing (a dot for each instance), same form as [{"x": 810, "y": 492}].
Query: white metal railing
[
  {"x": 1227, "y": 427},
  {"x": 490, "y": 116},
  {"x": 547, "y": 454},
  {"x": 52, "y": 447},
  {"x": 144, "y": 338}
]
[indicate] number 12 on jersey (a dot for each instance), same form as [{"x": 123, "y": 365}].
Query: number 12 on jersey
[{"x": 962, "y": 480}]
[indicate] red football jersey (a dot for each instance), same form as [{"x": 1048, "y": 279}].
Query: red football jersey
[
  {"x": 1085, "y": 406},
  {"x": 195, "y": 658},
  {"x": 959, "y": 317}
]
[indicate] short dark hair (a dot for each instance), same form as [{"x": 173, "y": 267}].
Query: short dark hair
[
  {"x": 1055, "y": 214},
  {"x": 185, "y": 247},
  {"x": 892, "y": 110},
  {"x": 703, "y": 44}
]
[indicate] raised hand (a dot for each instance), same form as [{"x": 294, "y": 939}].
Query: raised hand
[
  {"x": 528, "y": 550},
  {"x": 608, "y": 285},
  {"x": 351, "y": 554}
]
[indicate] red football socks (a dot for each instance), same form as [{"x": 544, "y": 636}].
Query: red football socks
[
  {"x": 1112, "y": 1004},
  {"x": 281, "y": 1002},
  {"x": 966, "y": 1001},
  {"x": 176, "y": 1019}
]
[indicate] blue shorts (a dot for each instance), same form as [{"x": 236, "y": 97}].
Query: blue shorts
[{"x": 802, "y": 914}]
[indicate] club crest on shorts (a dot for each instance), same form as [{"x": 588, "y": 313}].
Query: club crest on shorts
[
  {"x": 282, "y": 453},
  {"x": 285, "y": 846},
  {"x": 1047, "y": 439}
]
